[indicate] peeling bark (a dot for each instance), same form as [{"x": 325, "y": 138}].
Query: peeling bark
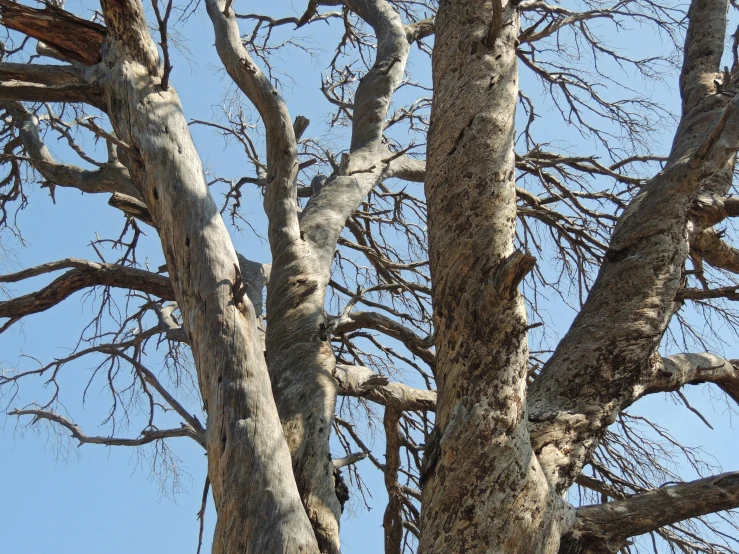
[{"x": 75, "y": 39}]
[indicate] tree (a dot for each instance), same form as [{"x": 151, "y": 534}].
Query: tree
[{"x": 484, "y": 443}]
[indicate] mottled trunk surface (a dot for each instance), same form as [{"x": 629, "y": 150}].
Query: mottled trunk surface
[
  {"x": 301, "y": 363},
  {"x": 485, "y": 492},
  {"x": 299, "y": 354},
  {"x": 300, "y": 360},
  {"x": 607, "y": 358}
]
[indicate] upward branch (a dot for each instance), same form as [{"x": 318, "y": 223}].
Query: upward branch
[
  {"x": 282, "y": 162},
  {"x": 369, "y": 159},
  {"x": 599, "y": 366}
]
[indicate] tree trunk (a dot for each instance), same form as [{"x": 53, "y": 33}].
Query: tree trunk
[
  {"x": 485, "y": 492},
  {"x": 257, "y": 501}
]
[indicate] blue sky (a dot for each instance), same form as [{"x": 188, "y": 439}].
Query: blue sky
[{"x": 64, "y": 499}]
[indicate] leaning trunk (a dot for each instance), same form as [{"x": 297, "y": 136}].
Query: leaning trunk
[{"x": 257, "y": 501}]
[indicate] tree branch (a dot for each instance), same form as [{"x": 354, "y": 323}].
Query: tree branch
[
  {"x": 74, "y": 38},
  {"x": 703, "y": 51},
  {"x": 710, "y": 209},
  {"x": 567, "y": 414},
  {"x": 349, "y": 460},
  {"x": 326, "y": 213},
  {"x": 151, "y": 379},
  {"x": 378, "y": 322},
  {"x": 112, "y": 177},
  {"x": 408, "y": 169},
  {"x": 616, "y": 521},
  {"x": 673, "y": 372},
  {"x": 86, "y": 274},
  {"x": 363, "y": 382},
  {"x": 131, "y": 206},
  {"x": 282, "y": 163},
  {"x": 147, "y": 436},
  {"x": 715, "y": 251},
  {"x": 48, "y": 83},
  {"x": 392, "y": 520}
]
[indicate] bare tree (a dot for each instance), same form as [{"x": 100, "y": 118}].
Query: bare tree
[{"x": 401, "y": 282}]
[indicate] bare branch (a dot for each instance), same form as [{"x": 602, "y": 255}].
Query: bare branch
[
  {"x": 48, "y": 83},
  {"x": 673, "y": 372},
  {"x": 131, "y": 206},
  {"x": 282, "y": 164},
  {"x": 74, "y": 38},
  {"x": 361, "y": 381},
  {"x": 613, "y": 522},
  {"x": 111, "y": 177},
  {"x": 378, "y": 322},
  {"x": 710, "y": 247},
  {"x": 86, "y": 274},
  {"x": 349, "y": 460},
  {"x": 392, "y": 520},
  {"x": 147, "y": 436}
]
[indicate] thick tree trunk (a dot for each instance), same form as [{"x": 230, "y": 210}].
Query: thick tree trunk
[
  {"x": 301, "y": 363},
  {"x": 299, "y": 357},
  {"x": 485, "y": 492},
  {"x": 606, "y": 360},
  {"x": 259, "y": 509}
]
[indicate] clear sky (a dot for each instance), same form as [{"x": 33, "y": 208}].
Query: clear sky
[{"x": 67, "y": 499}]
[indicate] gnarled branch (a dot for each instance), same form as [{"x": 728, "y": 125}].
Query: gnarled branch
[
  {"x": 613, "y": 522},
  {"x": 86, "y": 274}
]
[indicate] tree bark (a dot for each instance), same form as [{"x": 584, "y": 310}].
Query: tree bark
[
  {"x": 256, "y": 498},
  {"x": 606, "y": 359},
  {"x": 605, "y": 527},
  {"x": 485, "y": 492}
]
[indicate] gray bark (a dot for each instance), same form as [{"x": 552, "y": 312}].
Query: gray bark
[
  {"x": 604, "y": 360},
  {"x": 501, "y": 456},
  {"x": 605, "y": 527},
  {"x": 246, "y": 450},
  {"x": 486, "y": 491}
]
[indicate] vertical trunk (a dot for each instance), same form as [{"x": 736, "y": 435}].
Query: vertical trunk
[
  {"x": 300, "y": 360},
  {"x": 301, "y": 363},
  {"x": 258, "y": 505},
  {"x": 485, "y": 492}
]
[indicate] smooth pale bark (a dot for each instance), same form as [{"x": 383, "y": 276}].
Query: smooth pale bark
[
  {"x": 300, "y": 358},
  {"x": 604, "y": 362},
  {"x": 298, "y": 353},
  {"x": 361, "y": 381},
  {"x": 484, "y": 491},
  {"x": 256, "y": 498}
]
